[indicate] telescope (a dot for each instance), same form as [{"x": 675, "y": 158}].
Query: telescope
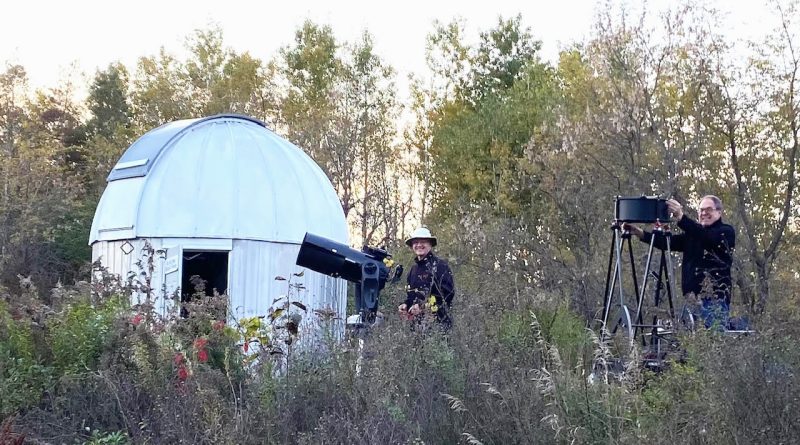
[{"x": 366, "y": 268}]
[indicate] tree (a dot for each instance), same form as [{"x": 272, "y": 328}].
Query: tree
[
  {"x": 220, "y": 80},
  {"x": 212, "y": 80},
  {"x": 108, "y": 101},
  {"x": 38, "y": 189},
  {"x": 756, "y": 124},
  {"x": 312, "y": 67},
  {"x": 340, "y": 107},
  {"x": 479, "y": 134},
  {"x": 159, "y": 92}
]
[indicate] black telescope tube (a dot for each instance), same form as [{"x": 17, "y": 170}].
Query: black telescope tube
[{"x": 330, "y": 258}]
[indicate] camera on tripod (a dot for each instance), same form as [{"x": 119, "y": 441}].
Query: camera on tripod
[
  {"x": 641, "y": 209},
  {"x": 623, "y": 312}
]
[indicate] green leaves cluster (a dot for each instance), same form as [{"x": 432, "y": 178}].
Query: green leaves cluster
[
  {"x": 502, "y": 106},
  {"x": 23, "y": 377}
]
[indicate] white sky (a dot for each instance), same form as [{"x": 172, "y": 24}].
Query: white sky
[{"x": 49, "y": 37}]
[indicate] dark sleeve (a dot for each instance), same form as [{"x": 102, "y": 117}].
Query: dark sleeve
[
  {"x": 720, "y": 239},
  {"x": 412, "y": 293},
  {"x": 676, "y": 242},
  {"x": 444, "y": 282},
  {"x": 410, "y": 296}
]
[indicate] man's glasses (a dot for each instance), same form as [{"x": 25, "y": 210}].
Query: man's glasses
[{"x": 708, "y": 209}]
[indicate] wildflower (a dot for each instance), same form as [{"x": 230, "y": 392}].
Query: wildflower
[
  {"x": 183, "y": 373},
  {"x": 432, "y": 304},
  {"x": 137, "y": 319},
  {"x": 178, "y": 359},
  {"x": 200, "y": 343},
  {"x": 218, "y": 325}
]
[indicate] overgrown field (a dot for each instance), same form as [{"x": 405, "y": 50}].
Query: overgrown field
[{"x": 90, "y": 369}]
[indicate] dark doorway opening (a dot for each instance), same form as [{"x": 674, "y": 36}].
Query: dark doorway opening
[{"x": 203, "y": 272}]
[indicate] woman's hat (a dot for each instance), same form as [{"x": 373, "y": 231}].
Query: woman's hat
[{"x": 421, "y": 233}]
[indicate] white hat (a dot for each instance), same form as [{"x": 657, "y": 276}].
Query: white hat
[{"x": 421, "y": 233}]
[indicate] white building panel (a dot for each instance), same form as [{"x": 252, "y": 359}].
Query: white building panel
[{"x": 253, "y": 285}]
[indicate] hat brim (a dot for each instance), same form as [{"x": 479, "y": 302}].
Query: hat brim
[{"x": 431, "y": 239}]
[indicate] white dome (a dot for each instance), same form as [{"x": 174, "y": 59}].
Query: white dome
[{"x": 224, "y": 176}]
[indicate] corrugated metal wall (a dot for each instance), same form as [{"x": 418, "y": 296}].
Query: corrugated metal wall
[
  {"x": 117, "y": 262},
  {"x": 254, "y": 265},
  {"x": 252, "y": 269}
]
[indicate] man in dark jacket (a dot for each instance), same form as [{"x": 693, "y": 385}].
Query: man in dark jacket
[
  {"x": 430, "y": 281},
  {"x": 707, "y": 248}
]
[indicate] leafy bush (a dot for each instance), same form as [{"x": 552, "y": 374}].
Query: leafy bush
[
  {"x": 115, "y": 438},
  {"x": 23, "y": 377},
  {"x": 78, "y": 336}
]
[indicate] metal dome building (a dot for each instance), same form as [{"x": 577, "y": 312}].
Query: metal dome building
[{"x": 225, "y": 198}]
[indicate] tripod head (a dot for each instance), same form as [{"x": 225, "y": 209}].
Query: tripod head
[
  {"x": 617, "y": 226},
  {"x": 663, "y": 228}
]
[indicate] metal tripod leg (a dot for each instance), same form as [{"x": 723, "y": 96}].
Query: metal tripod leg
[
  {"x": 645, "y": 279},
  {"x": 664, "y": 272},
  {"x": 614, "y": 279},
  {"x": 633, "y": 267},
  {"x": 609, "y": 283},
  {"x": 669, "y": 273}
]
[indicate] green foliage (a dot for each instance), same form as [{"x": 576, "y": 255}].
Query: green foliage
[
  {"x": 567, "y": 332},
  {"x": 680, "y": 388},
  {"x": 78, "y": 337},
  {"x": 212, "y": 80},
  {"x": 69, "y": 238},
  {"x": 108, "y": 102},
  {"x": 560, "y": 327},
  {"x": 481, "y": 136},
  {"x": 36, "y": 148},
  {"x": 158, "y": 91},
  {"x": 114, "y": 438},
  {"x": 23, "y": 377}
]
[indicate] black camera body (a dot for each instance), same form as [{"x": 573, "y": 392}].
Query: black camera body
[{"x": 641, "y": 209}]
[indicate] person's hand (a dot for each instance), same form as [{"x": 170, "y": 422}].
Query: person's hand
[
  {"x": 675, "y": 208},
  {"x": 415, "y": 310},
  {"x": 692, "y": 300},
  {"x": 634, "y": 230}
]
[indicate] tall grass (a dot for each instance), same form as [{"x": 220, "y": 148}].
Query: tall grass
[{"x": 91, "y": 370}]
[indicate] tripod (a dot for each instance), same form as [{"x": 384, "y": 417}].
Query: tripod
[
  {"x": 631, "y": 326},
  {"x": 663, "y": 277}
]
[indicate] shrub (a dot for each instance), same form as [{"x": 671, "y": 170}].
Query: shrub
[
  {"x": 78, "y": 336},
  {"x": 23, "y": 377}
]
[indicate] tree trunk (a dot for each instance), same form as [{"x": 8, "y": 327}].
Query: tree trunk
[{"x": 762, "y": 283}]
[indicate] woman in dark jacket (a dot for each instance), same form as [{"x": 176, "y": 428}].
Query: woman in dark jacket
[{"x": 430, "y": 280}]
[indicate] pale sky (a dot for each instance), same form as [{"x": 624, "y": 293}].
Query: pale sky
[{"x": 48, "y": 37}]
